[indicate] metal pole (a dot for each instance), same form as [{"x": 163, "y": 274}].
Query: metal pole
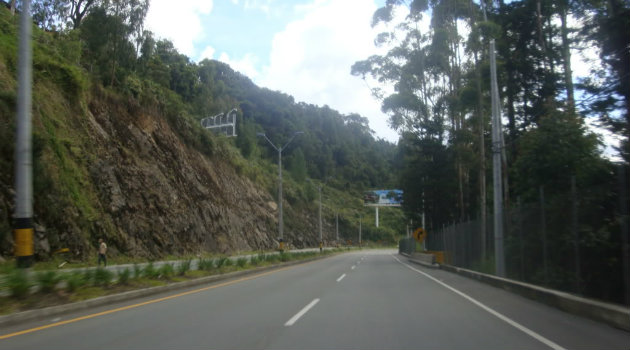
[
  {"x": 280, "y": 218},
  {"x": 376, "y": 223},
  {"x": 496, "y": 159},
  {"x": 543, "y": 224},
  {"x": 360, "y": 219},
  {"x": 576, "y": 235},
  {"x": 520, "y": 238},
  {"x": 23, "y": 216},
  {"x": 625, "y": 239},
  {"x": 337, "y": 226},
  {"x": 321, "y": 242}
]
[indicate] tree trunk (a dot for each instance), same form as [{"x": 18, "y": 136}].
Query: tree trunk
[
  {"x": 13, "y": 7},
  {"x": 566, "y": 53},
  {"x": 482, "y": 149}
]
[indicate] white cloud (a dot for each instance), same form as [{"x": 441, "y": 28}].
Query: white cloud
[
  {"x": 260, "y": 5},
  {"x": 311, "y": 59},
  {"x": 246, "y": 65},
  {"x": 178, "y": 22},
  {"x": 208, "y": 53}
]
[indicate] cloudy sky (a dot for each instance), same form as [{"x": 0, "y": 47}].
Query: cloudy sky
[
  {"x": 304, "y": 48},
  {"x": 301, "y": 47}
]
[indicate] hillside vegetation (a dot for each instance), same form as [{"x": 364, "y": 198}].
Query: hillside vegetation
[{"x": 119, "y": 151}]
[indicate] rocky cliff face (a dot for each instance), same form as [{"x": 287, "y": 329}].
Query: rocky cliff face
[{"x": 140, "y": 187}]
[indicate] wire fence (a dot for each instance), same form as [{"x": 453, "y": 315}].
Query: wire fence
[{"x": 575, "y": 242}]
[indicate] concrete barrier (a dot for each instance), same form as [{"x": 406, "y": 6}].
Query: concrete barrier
[
  {"x": 614, "y": 315},
  {"x": 423, "y": 259}
]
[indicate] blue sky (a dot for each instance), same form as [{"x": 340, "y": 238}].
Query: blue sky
[{"x": 301, "y": 47}]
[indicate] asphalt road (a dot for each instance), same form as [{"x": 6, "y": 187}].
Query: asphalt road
[{"x": 358, "y": 300}]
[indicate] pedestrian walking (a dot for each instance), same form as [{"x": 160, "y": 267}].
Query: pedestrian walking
[{"x": 102, "y": 250}]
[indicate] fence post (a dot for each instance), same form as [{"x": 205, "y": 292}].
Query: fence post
[
  {"x": 543, "y": 226},
  {"x": 521, "y": 249},
  {"x": 576, "y": 235},
  {"x": 625, "y": 245}
]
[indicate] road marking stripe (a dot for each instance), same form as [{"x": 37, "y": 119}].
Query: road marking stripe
[
  {"x": 353, "y": 267},
  {"x": 297, "y": 316},
  {"x": 107, "y": 312},
  {"x": 341, "y": 277},
  {"x": 502, "y": 317}
]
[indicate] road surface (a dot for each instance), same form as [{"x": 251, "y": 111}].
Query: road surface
[{"x": 358, "y": 300}]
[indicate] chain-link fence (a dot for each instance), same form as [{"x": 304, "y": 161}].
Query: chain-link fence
[{"x": 575, "y": 241}]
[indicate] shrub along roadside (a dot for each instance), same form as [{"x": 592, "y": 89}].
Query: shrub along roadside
[{"x": 60, "y": 288}]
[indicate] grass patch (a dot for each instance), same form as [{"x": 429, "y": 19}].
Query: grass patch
[
  {"x": 241, "y": 262},
  {"x": 74, "y": 280},
  {"x": 47, "y": 280},
  {"x": 123, "y": 276},
  {"x": 183, "y": 267},
  {"x": 18, "y": 284}
]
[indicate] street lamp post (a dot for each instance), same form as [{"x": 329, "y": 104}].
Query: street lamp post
[
  {"x": 337, "y": 227},
  {"x": 360, "y": 224},
  {"x": 321, "y": 240},
  {"x": 280, "y": 149}
]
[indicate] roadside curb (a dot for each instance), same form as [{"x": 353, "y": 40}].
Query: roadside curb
[
  {"x": 425, "y": 264},
  {"x": 24, "y": 316},
  {"x": 611, "y": 314}
]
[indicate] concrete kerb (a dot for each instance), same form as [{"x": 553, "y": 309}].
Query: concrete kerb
[
  {"x": 423, "y": 259},
  {"x": 611, "y": 314},
  {"x": 30, "y": 315}
]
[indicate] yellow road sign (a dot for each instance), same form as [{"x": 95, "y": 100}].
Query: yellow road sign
[{"x": 419, "y": 234}]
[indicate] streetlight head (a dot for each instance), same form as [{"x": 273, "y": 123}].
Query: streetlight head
[
  {"x": 260, "y": 134},
  {"x": 299, "y": 132}
]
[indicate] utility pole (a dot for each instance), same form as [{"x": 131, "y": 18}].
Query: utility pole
[
  {"x": 496, "y": 159},
  {"x": 337, "y": 226},
  {"x": 321, "y": 240},
  {"x": 280, "y": 149},
  {"x": 23, "y": 215},
  {"x": 360, "y": 222}
]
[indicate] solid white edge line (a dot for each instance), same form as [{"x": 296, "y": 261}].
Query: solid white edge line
[
  {"x": 297, "y": 316},
  {"x": 502, "y": 317},
  {"x": 341, "y": 277}
]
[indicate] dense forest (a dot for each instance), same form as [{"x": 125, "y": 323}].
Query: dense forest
[
  {"x": 441, "y": 98},
  {"x": 564, "y": 201}
]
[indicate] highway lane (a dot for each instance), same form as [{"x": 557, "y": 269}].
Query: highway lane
[{"x": 380, "y": 302}]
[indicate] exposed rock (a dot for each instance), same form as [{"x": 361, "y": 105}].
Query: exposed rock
[{"x": 150, "y": 194}]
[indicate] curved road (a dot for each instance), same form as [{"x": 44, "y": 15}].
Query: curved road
[{"x": 358, "y": 300}]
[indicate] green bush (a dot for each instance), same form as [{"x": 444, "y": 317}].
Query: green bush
[
  {"x": 47, "y": 280},
  {"x": 183, "y": 267},
  {"x": 222, "y": 262},
  {"x": 285, "y": 256},
  {"x": 262, "y": 257},
  {"x": 205, "y": 264},
  {"x": 88, "y": 276},
  {"x": 18, "y": 283},
  {"x": 123, "y": 276},
  {"x": 166, "y": 271},
  {"x": 74, "y": 280},
  {"x": 150, "y": 271},
  {"x": 241, "y": 262},
  {"x": 228, "y": 262},
  {"x": 103, "y": 277},
  {"x": 253, "y": 260},
  {"x": 137, "y": 271}
]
